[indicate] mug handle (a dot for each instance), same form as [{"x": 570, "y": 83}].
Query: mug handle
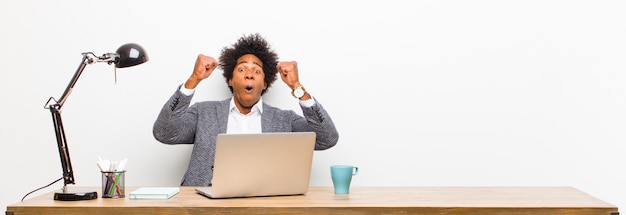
[{"x": 356, "y": 170}]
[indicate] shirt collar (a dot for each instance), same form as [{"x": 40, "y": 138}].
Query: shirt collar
[{"x": 258, "y": 107}]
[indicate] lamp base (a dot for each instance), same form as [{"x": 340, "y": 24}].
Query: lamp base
[{"x": 75, "y": 196}]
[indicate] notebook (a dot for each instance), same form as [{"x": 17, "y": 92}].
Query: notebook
[
  {"x": 267, "y": 164},
  {"x": 154, "y": 193}
]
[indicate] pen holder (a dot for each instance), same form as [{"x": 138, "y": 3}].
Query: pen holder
[{"x": 113, "y": 184}]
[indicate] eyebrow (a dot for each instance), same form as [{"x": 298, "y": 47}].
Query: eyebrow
[{"x": 252, "y": 62}]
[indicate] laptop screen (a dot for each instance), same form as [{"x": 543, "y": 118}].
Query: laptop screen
[{"x": 265, "y": 164}]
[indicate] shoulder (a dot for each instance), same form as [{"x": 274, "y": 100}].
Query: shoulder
[
  {"x": 268, "y": 107},
  {"x": 220, "y": 103},
  {"x": 277, "y": 112}
]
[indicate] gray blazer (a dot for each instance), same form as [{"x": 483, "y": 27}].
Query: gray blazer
[{"x": 199, "y": 124}]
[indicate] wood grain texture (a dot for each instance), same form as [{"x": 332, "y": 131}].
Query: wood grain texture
[{"x": 362, "y": 200}]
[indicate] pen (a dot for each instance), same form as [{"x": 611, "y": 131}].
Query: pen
[
  {"x": 108, "y": 182},
  {"x": 112, "y": 189}
]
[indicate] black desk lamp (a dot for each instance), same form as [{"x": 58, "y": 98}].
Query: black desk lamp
[{"x": 126, "y": 55}]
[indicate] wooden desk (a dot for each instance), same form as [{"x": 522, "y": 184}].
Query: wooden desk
[{"x": 362, "y": 200}]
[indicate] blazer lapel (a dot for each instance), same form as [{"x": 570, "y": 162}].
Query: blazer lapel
[
  {"x": 266, "y": 118},
  {"x": 222, "y": 113}
]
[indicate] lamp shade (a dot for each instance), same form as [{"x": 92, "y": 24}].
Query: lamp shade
[{"x": 130, "y": 54}]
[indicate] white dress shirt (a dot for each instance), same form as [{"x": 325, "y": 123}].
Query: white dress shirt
[{"x": 239, "y": 123}]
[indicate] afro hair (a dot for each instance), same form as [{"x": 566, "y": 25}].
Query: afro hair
[{"x": 251, "y": 44}]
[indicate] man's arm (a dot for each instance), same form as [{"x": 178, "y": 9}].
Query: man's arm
[
  {"x": 176, "y": 123},
  {"x": 319, "y": 120}
]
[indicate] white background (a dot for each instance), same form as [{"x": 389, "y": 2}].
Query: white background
[{"x": 424, "y": 93}]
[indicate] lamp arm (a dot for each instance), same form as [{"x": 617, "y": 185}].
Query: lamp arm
[
  {"x": 64, "y": 153},
  {"x": 55, "y": 110},
  {"x": 70, "y": 86}
]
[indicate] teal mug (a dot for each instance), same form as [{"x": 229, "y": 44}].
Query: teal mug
[{"x": 342, "y": 176}]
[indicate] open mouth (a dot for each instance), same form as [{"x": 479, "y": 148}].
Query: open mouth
[{"x": 249, "y": 89}]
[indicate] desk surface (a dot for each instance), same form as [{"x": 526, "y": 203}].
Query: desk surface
[{"x": 362, "y": 200}]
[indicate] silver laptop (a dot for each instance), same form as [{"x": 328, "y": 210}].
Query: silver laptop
[{"x": 267, "y": 164}]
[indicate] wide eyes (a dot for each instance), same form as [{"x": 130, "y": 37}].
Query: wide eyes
[{"x": 256, "y": 71}]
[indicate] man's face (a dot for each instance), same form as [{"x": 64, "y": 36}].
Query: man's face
[{"x": 247, "y": 82}]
